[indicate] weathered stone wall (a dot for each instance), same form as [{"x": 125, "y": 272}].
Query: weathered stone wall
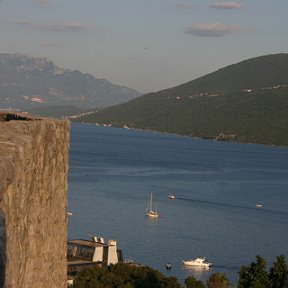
[{"x": 33, "y": 202}]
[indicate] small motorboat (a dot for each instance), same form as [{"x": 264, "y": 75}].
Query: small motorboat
[
  {"x": 168, "y": 266},
  {"x": 171, "y": 196},
  {"x": 258, "y": 205},
  {"x": 199, "y": 262}
]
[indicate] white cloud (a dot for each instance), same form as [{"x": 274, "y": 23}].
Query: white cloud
[
  {"x": 184, "y": 6},
  {"x": 212, "y": 29},
  {"x": 74, "y": 26},
  {"x": 227, "y": 5}
]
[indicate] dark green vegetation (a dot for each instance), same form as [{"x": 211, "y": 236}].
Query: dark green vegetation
[
  {"x": 254, "y": 275},
  {"x": 244, "y": 102},
  {"x": 124, "y": 275}
]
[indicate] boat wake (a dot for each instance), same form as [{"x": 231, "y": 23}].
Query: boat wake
[{"x": 235, "y": 206}]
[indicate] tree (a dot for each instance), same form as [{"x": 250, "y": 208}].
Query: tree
[
  {"x": 255, "y": 275},
  {"x": 124, "y": 276},
  {"x": 88, "y": 279},
  {"x": 192, "y": 282},
  {"x": 279, "y": 273},
  {"x": 218, "y": 280},
  {"x": 170, "y": 282}
]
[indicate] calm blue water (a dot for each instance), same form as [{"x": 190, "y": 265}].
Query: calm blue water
[{"x": 217, "y": 185}]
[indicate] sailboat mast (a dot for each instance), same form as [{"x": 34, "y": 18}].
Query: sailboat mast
[{"x": 149, "y": 212}]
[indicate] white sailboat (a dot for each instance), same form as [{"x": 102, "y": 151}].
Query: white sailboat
[{"x": 149, "y": 211}]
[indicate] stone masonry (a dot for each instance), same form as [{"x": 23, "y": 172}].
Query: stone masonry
[{"x": 33, "y": 201}]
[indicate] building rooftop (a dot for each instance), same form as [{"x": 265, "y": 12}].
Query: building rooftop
[{"x": 89, "y": 243}]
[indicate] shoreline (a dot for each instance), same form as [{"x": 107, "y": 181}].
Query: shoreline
[{"x": 110, "y": 125}]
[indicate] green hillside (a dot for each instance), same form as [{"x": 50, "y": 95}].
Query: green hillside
[{"x": 245, "y": 102}]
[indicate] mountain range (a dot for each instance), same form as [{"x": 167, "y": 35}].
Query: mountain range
[
  {"x": 244, "y": 102},
  {"x": 35, "y": 82}
]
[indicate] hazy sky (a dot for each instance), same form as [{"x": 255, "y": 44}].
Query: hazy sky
[{"x": 144, "y": 44}]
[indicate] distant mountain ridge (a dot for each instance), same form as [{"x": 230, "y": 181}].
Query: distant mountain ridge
[
  {"x": 29, "y": 82},
  {"x": 245, "y": 102}
]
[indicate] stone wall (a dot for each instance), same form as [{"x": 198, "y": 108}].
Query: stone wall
[{"x": 33, "y": 201}]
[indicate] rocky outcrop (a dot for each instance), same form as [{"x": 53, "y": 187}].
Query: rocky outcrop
[
  {"x": 36, "y": 82},
  {"x": 33, "y": 188}
]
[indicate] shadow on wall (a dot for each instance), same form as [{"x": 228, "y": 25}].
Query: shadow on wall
[{"x": 2, "y": 248}]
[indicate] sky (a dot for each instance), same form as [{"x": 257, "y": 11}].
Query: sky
[{"x": 147, "y": 45}]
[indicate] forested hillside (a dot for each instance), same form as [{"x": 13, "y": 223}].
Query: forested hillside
[{"x": 245, "y": 102}]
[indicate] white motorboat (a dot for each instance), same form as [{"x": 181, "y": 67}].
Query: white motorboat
[
  {"x": 149, "y": 211},
  {"x": 171, "y": 196},
  {"x": 199, "y": 262}
]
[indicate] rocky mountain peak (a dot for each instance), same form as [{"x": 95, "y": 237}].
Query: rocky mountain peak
[{"x": 26, "y": 81}]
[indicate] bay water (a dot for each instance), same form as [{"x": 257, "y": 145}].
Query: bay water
[{"x": 217, "y": 187}]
